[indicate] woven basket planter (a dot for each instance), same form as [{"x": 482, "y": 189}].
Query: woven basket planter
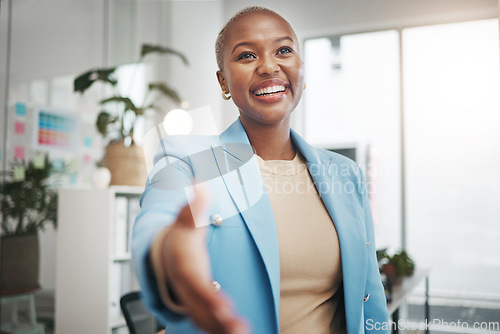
[
  {"x": 20, "y": 262},
  {"x": 126, "y": 164}
]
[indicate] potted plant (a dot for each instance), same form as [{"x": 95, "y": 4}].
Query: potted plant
[
  {"x": 27, "y": 205},
  {"x": 123, "y": 157},
  {"x": 397, "y": 266}
]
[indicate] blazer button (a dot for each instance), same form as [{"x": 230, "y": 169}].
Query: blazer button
[
  {"x": 216, "y": 219},
  {"x": 366, "y": 298},
  {"x": 368, "y": 243},
  {"x": 216, "y": 286}
]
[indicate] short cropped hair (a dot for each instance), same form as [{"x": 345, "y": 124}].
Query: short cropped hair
[{"x": 221, "y": 38}]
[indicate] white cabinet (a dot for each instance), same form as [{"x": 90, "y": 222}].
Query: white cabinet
[{"x": 93, "y": 258}]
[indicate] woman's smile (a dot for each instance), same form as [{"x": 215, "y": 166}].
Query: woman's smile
[{"x": 270, "y": 91}]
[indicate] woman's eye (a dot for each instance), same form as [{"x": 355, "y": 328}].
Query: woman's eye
[
  {"x": 284, "y": 49},
  {"x": 246, "y": 55}
]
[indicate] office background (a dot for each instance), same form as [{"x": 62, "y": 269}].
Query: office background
[{"x": 410, "y": 86}]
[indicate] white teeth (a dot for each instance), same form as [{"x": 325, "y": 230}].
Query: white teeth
[{"x": 270, "y": 90}]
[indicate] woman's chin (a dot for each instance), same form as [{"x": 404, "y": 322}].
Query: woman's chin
[{"x": 267, "y": 117}]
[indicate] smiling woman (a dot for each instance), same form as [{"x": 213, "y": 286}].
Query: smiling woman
[
  {"x": 260, "y": 66},
  {"x": 278, "y": 243}
]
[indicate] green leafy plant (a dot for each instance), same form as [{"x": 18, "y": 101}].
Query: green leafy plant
[
  {"x": 27, "y": 202},
  {"x": 115, "y": 124},
  {"x": 398, "y": 265}
]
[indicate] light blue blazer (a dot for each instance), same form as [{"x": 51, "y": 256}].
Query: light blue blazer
[{"x": 244, "y": 249}]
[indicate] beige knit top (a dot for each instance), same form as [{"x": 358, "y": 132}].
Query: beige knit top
[{"x": 310, "y": 266}]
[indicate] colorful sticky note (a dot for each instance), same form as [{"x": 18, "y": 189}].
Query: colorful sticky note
[
  {"x": 19, "y": 152},
  {"x": 72, "y": 164},
  {"x": 87, "y": 159},
  {"x": 20, "y": 109},
  {"x": 39, "y": 161},
  {"x": 58, "y": 164},
  {"x": 19, "y": 173},
  {"x": 73, "y": 178},
  {"x": 19, "y": 128},
  {"x": 88, "y": 141}
]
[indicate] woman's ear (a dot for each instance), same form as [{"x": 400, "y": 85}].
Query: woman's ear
[{"x": 222, "y": 81}]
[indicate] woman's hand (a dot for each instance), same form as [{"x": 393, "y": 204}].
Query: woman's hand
[{"x": 186, "y": 264}]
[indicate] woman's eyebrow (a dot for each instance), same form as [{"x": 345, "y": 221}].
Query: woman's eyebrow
[
  {"x": 277, "y": 40},
  {"x": 241, "y": 44}
]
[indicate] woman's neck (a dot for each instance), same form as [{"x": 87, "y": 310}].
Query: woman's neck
[{"x": 271, "y": 142}]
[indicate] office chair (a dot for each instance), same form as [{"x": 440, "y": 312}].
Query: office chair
[{"x": 138, "y": 318}]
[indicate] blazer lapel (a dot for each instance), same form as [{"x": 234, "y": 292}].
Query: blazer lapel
[
  {"x": 336, "y": 192},
  {"x": 243, "y": 180}
]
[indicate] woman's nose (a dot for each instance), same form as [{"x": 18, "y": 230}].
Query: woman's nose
[{"x": 268, "y": 66}]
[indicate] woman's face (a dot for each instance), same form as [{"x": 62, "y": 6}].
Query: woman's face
[{"x": 262, "y": 69}]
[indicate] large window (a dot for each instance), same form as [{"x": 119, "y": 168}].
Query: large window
[
  {"x": 451, "y": 109},
  {"x": 452, "y": 114}
]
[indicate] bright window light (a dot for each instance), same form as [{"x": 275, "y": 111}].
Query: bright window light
[{"x": 452, "y": 117}]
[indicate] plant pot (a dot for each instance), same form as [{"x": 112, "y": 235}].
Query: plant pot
[
  {"x": 19, "y": 262},
  {"x": 392, "y": 273},
  {"x": 126, "y": 164}
]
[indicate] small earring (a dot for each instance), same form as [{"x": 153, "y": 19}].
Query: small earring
[
  {"x": 226, "y": 97},
  {"x": 304, "y": 85}
]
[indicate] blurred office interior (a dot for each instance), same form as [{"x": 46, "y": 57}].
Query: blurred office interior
[{"x": 410, "y": 89}]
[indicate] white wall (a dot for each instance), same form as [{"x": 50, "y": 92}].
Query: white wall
[
  {"x": 66, "y": 37},
  {"x": 195, "y": 25},
  {"x": 187, "y": 26},
  {"x": 53, "y": 37}
]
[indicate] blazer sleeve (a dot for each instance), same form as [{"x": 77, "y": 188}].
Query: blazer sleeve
[
  {"x": 163, "y": 197},
  {"x": 376, "y": 315}
]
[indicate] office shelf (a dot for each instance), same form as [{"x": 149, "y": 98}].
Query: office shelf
[{"x": 94, "y": 266}]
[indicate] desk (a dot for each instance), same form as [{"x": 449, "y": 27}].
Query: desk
[
  {"x": 14, "y": 326},
  {"x": 401, "y": 291}
]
